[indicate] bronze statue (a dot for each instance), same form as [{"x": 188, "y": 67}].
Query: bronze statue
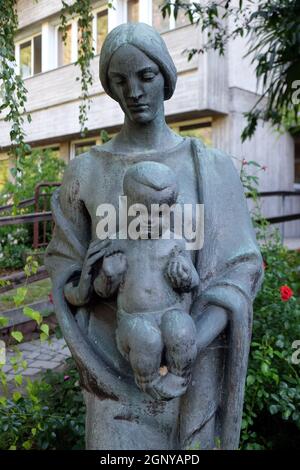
[{"x": 197, "y": 320}]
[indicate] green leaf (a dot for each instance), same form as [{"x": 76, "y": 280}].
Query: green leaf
[
  {"x": 265, "y": 368},
  {"x": 17, "y": 335},
  {"x": 20, "y": 296},
  {"x": 45, "y": 328},
  {"x": 16, "y": 396},
  {"x": 3, "y": 401},
  {"x": 27, "y": 445},
  {"x": 3, "y": 321},
  {"x": 18, "y": 379},
  {"x": 33, "y": 314},
  {"x": 43, "y": 337},
  {"x": 250, "y": 380}
]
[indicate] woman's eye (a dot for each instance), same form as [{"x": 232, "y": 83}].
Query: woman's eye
[
  {"x": 120, "y": 81},
  {"x": 148, "y": 76}
]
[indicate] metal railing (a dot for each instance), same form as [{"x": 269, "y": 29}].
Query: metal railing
[
  {"x": 40, "y": 201},
  {"x": 284, "y": 217}
]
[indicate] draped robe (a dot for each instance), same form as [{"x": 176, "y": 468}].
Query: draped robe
[{"x": 119, "y": 415}]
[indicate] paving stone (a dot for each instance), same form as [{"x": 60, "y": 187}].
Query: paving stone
[
  {"x": 32, "y": 355},
  {"x": 45, "y": 357},
  {"x": 39, "y": 357},
  {"x": 31, "y": 371},
  {"x": 30, "y": 346},
  {"x": 46, "y": 364}
]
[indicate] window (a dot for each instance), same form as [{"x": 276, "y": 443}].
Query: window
[
  {"x": 4, "y": 170},
  {"x": 81, "y": 147},
  {"x": 29, "y": 56},
  {"x": 133, "y": 11},
  {"x": 165, "y": 24},
  {"x": 65, "y": 46},
  {"x": 199, "y": 128},
  {"x": 102, "y": 29}
]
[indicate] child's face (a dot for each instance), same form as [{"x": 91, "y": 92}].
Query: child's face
[{"x": 147, "y": 202}]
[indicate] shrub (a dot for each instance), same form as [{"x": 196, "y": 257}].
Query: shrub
[
  {"x": 272, "y": 396},
  {"x": 39, "y": 166},
  {"x": 13, "y": 243},
  {"x": 273, "y": 384},
  {"x": 48, "y": 415}
]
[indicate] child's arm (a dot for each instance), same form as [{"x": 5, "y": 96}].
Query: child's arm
[
  {"x": 78, "y": 290},
  {"x": 111, "y": 275},
  {"x": 211, "y": 323}
]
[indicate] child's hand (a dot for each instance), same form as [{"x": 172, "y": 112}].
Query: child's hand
[
  {"x": 79, "y": 295},
  {"x": 180, "y": 273},
  {"x": 114, "y": 265}
]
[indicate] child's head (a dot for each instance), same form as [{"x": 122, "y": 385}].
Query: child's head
[{"x": 150, "y": 183}]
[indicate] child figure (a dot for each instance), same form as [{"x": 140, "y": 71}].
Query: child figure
[{"x": 154, "y": 279}]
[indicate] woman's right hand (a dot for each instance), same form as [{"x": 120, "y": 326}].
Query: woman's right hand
[{"x": 79, "y": 295}]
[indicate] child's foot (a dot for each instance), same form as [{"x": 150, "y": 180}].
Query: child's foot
[{"x": 167, "y": 387}]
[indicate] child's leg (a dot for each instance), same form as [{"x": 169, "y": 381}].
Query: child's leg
[
  {"x": 140, "y": 342},
  {"x": 179, "y": 336}
]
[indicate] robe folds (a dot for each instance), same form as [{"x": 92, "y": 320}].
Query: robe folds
[{"x": 119, "y": 415}]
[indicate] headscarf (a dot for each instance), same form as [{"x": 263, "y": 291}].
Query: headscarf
[{"x": 146, "y": 39}]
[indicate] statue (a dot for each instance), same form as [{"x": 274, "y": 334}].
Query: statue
[{"x": 160, "y": 334}]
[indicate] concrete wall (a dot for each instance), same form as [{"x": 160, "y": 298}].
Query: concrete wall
[
  {"x": 54, "y": 96},
  {"x": 269, "y": 148}
]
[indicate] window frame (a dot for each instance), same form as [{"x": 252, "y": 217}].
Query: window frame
[
  {"x": 73, "y": 144},
  {"x": 172, "y": 20},
  {"x": 74, "y": 36},
  {"x": 18, "y": 45},
  {"x": 95, "y": 12}
]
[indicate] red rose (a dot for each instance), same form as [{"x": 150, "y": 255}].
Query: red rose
[{"x": 286, "y": 293}]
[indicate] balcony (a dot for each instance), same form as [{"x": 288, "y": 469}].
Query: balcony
[{"x": 54, "y": 96}]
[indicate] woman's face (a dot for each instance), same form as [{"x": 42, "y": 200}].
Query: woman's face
[{"x": 136, "y": 83}]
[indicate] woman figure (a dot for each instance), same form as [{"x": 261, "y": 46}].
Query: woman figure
[{"x": 137, "y": 71}]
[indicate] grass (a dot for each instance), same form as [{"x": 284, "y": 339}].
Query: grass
[{"x": 38, "y": 290}]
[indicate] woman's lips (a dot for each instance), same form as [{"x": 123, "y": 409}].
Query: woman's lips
[{"x": 138, "y": 107}]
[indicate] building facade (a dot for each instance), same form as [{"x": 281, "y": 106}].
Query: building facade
[{"x": 211, "y": 96}]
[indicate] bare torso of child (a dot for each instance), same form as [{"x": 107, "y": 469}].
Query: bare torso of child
[{"x": 149, "y": 258}]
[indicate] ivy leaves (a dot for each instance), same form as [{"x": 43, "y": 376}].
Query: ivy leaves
[
  {"x": 82, "y": 9},
  {"x": 12, "y": 89}
]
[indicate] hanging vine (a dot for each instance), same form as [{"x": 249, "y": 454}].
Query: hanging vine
[
  {"x": 83, "y": 10},
  {"x": 12, "y": 89},
  {"x": 13, "y": 94}
]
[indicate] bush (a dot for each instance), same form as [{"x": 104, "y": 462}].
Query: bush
[
  {"x": 49, "y": 415},
  {"x": 39, "y": 166},
  {"x": 272, "y": 399},
  {"x": 14, "y": 240},
  {"x": 273, "y": 384}
]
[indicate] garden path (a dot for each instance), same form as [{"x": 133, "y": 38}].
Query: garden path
[{"x": 40, "y": 356}]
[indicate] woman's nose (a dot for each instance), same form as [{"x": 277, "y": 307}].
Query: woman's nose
[{"x": 134, "y": 90}]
